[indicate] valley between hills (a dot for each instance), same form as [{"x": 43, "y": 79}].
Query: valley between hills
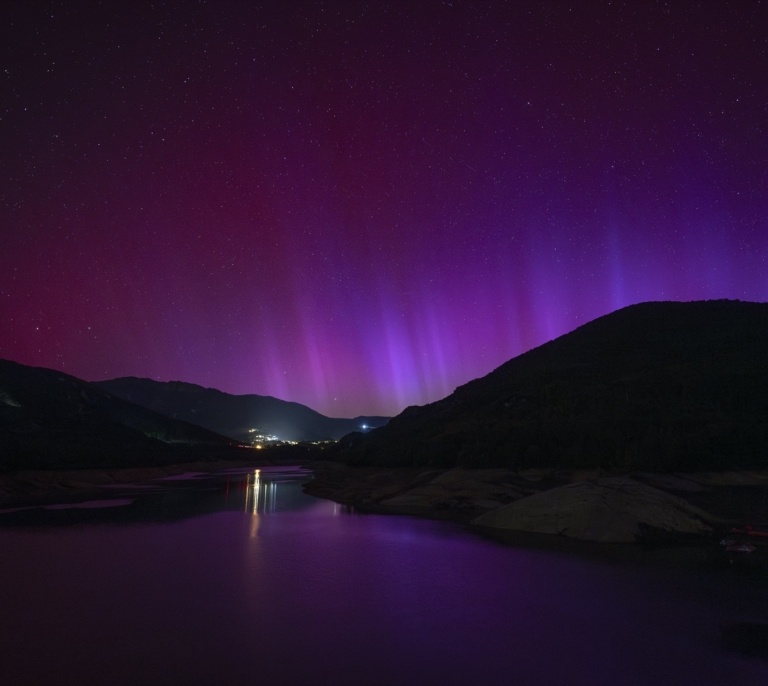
[{"x": 647, "y": 424}]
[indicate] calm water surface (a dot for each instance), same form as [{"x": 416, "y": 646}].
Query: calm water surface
[{"x": 242, "y": 579}]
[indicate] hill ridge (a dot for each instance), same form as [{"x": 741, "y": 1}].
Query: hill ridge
[
  {"x": 50, "y": 419},
  {"x": 235, "y": 415},
  {"x": 657, "y": 385}
]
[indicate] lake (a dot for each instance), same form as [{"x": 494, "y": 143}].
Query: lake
[{"x": 241, "y": 578}]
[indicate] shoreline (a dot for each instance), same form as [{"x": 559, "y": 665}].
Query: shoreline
[
  {"x": 32, "y": 485},
  {"x": 724, "y": 499}
]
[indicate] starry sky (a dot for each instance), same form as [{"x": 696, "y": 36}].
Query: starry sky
[{"x": 361, "y": 205}]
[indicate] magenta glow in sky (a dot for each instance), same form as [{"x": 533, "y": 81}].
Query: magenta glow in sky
[{"x": 360, "y": 206}]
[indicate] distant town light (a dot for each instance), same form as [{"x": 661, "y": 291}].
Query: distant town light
[
  {"x": 259, "y": 437},
  {"x": 365, "y": 426}
]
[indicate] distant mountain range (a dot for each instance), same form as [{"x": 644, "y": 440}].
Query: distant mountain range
[
  {"x": 238, "y": 416},
  {"x": 51, "y": 420},
  {"x": 657, "y": 386}
]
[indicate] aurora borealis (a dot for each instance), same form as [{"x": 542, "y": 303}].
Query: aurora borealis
[{"x": 360, "y": 206}]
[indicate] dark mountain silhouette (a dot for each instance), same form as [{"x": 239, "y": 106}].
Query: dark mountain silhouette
[
  {"x": 655, "y": 386},
  {"x": 235, "y": 415},
  {"x": 51, "y": 420}
]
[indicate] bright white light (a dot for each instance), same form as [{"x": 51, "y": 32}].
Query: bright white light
[{"x": 365, "y": 426}]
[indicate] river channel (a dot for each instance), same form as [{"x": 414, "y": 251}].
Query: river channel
[{"x": 241, "y": 578}]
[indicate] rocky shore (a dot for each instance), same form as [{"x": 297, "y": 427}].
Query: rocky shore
[{"x": 584, "y": 505}]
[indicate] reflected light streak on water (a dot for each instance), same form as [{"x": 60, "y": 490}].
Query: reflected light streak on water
[{"x": 260, "y": 495}]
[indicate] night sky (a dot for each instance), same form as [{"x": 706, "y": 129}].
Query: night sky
[{"x": 361, "y": 205}]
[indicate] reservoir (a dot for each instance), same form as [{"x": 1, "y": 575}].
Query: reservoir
[{"x": 241, "y": 578}]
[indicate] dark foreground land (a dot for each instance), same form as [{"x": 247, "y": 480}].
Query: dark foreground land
[
  {"x": 464, "y": 494},
  {"x": 720, "y": 500}
]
